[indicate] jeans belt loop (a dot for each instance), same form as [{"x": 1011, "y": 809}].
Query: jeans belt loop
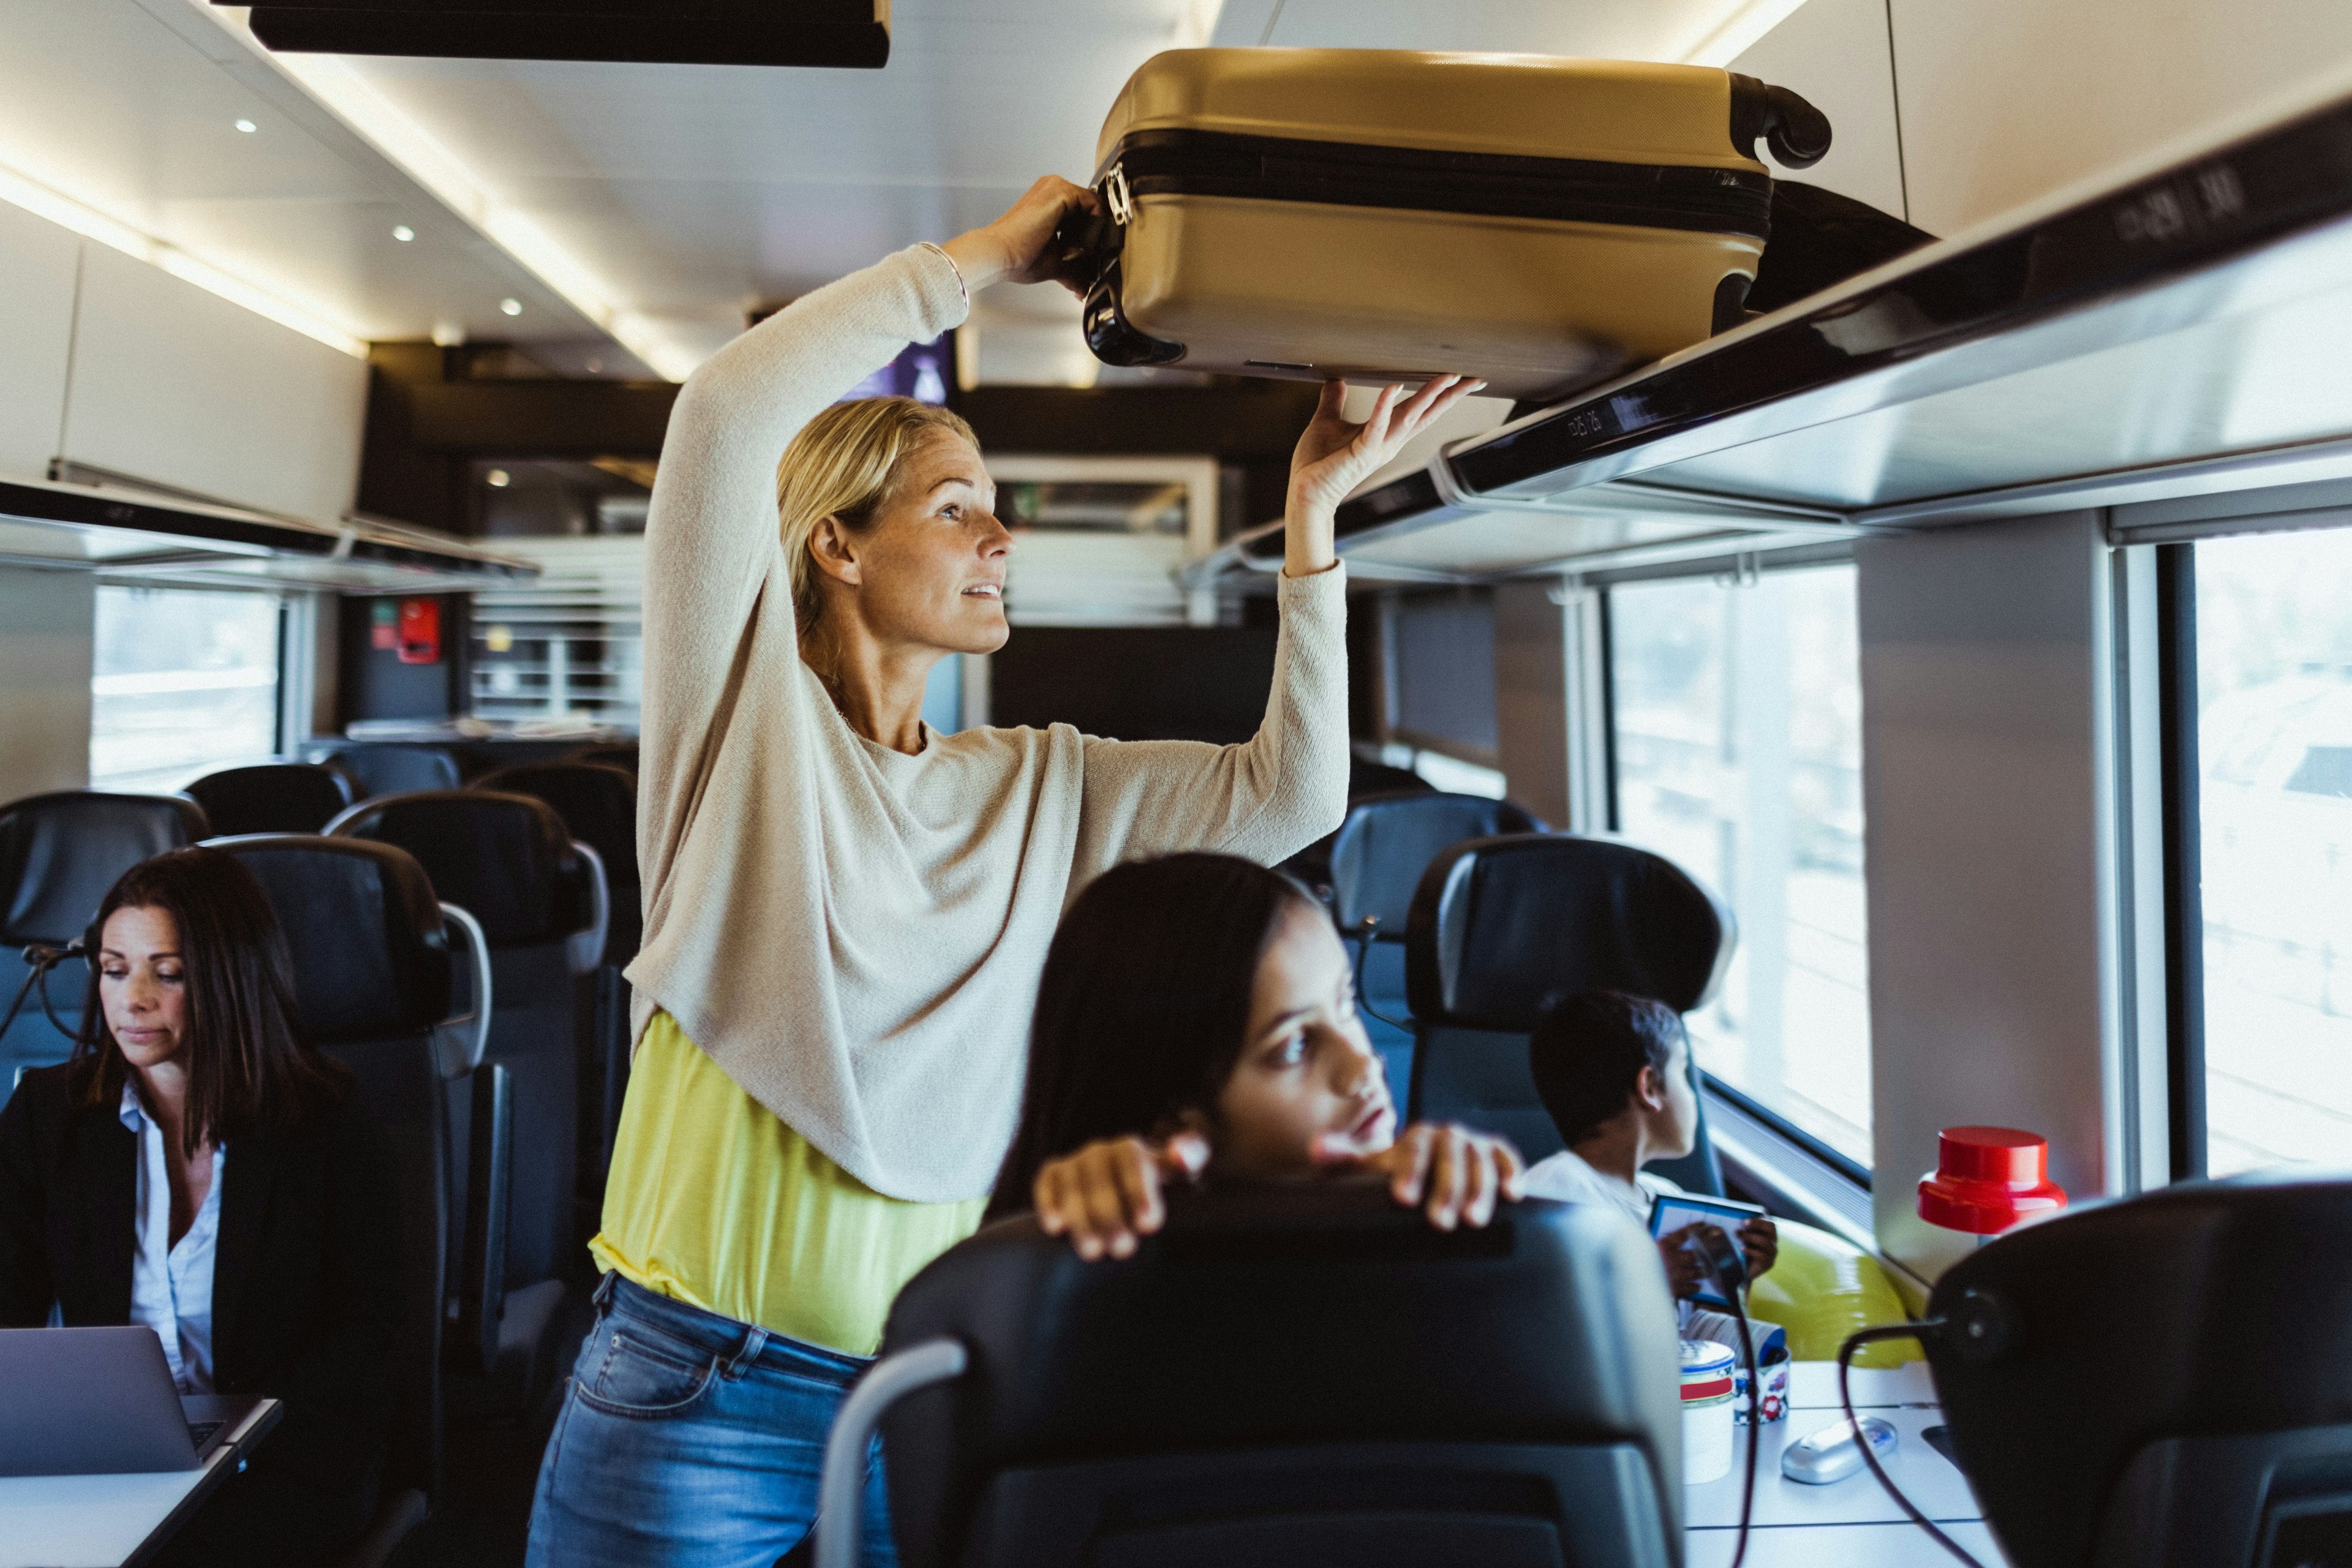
[
  {"x": 755, "y": 1339},
  {"x": 603, "y": 1296}
]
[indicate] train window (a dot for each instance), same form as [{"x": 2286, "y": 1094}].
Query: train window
[
  {"x": 2274, "y": 649},
  {"x": 1737, "y": 716},
  {"x": 182, "y": 680}
]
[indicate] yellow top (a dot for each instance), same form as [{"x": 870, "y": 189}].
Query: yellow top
[{"x": 714, "y": 1202}]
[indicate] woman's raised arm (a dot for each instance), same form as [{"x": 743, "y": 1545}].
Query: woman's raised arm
[{"x": 1283, "y": 788}]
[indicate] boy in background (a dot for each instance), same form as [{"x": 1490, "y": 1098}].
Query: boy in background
[{"x": 1614, "y": 1073}]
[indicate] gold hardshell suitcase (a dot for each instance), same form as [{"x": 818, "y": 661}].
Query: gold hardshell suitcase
[{"x": 1386, "y": 214}]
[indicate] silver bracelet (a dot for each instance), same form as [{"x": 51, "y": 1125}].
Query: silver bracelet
[{"x": 943, "y": 256}]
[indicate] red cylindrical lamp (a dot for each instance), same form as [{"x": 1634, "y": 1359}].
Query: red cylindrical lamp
[{"x": 1986, "y": 1179}]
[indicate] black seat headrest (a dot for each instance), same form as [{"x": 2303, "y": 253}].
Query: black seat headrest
[
  {"x": 272, "y": 797},
  {"x": 620, "y": 755},
  {"x": 1380, "y": 850},
  {"x": 1501, "y": 926},
  {"x": 507, "y": 859},
  {"x": 391, "y": 767},
  {"x": 597, "y": 801},
  {"x": 1290, "y": 1315},
  {"x": 59, "y": 854},
  {"x": 371, "y": 953}
]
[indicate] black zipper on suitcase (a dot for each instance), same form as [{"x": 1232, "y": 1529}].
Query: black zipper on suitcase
[{"x": 1485, "y": 184}]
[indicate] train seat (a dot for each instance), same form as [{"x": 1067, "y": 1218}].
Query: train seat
[
  {"x": 1292, "y": 1375},
  {"x": 1499, "y": 927},
  {"x": 388, "y": 767},
  {"x": 1377, "y": 859},
  {"x": 540, "y": 899},
  {"x": 372, "y": 977},
  {"x": 59, "y": 853},
  {"x": 1312, "y": 865},
  {"x": 273, "y": 797},
  {"x": 598, "y": 803},
  {"x": 615, "y": 754}
]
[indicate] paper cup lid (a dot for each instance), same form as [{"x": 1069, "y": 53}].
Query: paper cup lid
[{"x": 1706, "y": 1373}]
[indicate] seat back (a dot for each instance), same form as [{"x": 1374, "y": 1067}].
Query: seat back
[
  {"x": 273, "y": 797},
  {"x": 507, "y": 860},
  {"x": 59, "y": 855},
  {"x": 615, "y": 754},
  {"x": 2239, "y": 1449},
  {"x": 598, "y": 803},
  {"x": 1501, "y": 927},
  {"x": 372, "y": 976},
  {"x": 1295, "y": 1374},
  {"x": 1377, "y": 857},
  {"x": 390, "y": 767}
]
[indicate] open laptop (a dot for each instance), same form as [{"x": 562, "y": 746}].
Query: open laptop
[{"x": 83, "y": 1402}]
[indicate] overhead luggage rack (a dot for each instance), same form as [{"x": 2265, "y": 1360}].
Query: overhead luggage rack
[
  {"x": 2178, "y": 328},
  {"x": 130, "y": 532}
]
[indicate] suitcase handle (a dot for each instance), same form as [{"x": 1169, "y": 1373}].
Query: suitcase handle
[
  {"x": 1088, "y": 242},
  {"x": 1797, "y": 132}
]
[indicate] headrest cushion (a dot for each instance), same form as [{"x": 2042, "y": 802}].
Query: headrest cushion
[
  {"x": 1501, "y": 927},
  {"x": 1388, "y": 840},
  {"x": 371, "y": 954},
  {"x": 507, "y": 859},
  {"x": 60, "y": 853}
]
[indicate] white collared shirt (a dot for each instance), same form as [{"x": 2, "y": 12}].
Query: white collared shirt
[{"x": 172, "y": 1287}]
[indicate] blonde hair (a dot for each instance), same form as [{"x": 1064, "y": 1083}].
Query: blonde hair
[{"x": 844, "y": 463}]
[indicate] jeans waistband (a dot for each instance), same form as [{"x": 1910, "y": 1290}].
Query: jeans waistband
[{"x": 739, "y": 1346}]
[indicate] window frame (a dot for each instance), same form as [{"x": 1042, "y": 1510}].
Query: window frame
[
  {"x": 1806, "y": 557},
  {"x": 2181, "y": 827}
]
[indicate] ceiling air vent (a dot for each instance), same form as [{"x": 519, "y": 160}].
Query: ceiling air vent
[{"x": 846, "y": 33}]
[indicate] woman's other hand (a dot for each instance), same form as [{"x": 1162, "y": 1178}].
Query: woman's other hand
[
  {"x": 1336, "y": 454},
  {"x": 1019, "y": 248},
  {"x": 1456, "y": 1175},
  {"x": 1760, "y": 1240},
  {"x": 1107, "y": 1193}
]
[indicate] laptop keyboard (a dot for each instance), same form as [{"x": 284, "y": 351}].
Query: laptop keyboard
[{"x": 201, "y": 1432}]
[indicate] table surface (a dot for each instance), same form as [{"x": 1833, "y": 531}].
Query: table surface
[
  {"x": 97, "y": 1521},
  {"x": 1849, "y": 1522}
]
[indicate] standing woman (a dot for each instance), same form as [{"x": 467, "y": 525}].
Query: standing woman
[
  {"x": 847, "y": 913},
  {"x": 198, "y": 1168}
]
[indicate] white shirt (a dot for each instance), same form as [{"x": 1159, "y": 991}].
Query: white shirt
[
  {"x": 172, "y": 1287},
  {"x": 1567, "y": 1178}
]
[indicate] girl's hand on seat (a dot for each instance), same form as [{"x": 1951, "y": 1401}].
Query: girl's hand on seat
[
  {"x": 1019, "y": 248},
  {"x": 1106, "y": 1194},
  {"x": 1460, "y": 1174}
]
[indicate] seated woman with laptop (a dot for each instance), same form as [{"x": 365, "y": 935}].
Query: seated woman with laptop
[{"x": 198, "y": 1168}]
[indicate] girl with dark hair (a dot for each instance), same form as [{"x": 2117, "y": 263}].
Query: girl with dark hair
[
  {"x": 1197, "y": 1015},
  {"x": 198, "y": 1167}
]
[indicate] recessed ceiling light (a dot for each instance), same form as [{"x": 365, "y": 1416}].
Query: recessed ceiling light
[
  {"x": 511, "y": 305},
  {"x": 595, "y": 367},
  {"x": 402, "y": 233},
  {"x": 247, "y": 126},
  {"x": 499, "y": 479}
]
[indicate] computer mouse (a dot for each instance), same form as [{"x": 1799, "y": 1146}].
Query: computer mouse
[{"x": 1832, "y": 1453}]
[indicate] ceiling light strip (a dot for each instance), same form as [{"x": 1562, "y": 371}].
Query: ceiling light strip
[
  {"x": 333, "y": 82},
  {"x": 1740, "y": 31},
  {"x": 46, "y": 201}
]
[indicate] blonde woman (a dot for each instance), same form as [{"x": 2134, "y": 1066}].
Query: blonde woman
[{"x": 847, "y": 913}]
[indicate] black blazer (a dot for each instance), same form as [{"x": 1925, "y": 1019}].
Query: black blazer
[{"x": 306, "y": 1274}]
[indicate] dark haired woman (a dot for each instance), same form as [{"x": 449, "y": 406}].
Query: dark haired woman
[
  {"x": 198, "y": 1168},
  {"x": 1198, "y": 1015}
]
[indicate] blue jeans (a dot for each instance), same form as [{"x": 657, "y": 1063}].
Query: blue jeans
[{"x": 689, "y": 1438}]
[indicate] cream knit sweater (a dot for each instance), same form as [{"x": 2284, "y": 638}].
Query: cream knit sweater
[{"x": 854, "y": 934}]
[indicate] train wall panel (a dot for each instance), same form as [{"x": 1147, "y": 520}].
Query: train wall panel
[
  {"x": 38, "y": 265},
  {"x": 2006, "y": 101},
  {"x": 177, "y": 386},
  {"x": 47, "y": 640}
]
